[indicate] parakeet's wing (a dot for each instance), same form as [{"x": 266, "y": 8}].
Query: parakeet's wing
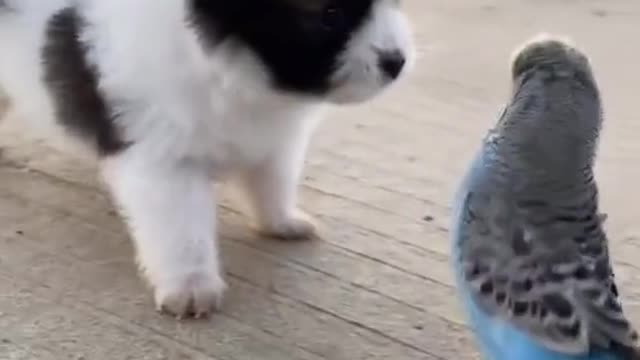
[{"x": 547, "y": 272}]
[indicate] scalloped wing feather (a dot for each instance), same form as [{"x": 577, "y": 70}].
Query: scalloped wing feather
[{"x": 558, "y": 290}]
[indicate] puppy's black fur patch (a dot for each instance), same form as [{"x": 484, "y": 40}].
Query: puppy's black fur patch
[
  {"x": 73, "y": 84},
  {"x": 299, "y": 41}
]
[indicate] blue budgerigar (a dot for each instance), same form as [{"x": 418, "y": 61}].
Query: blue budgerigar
[{"x": 529, "y": 248}]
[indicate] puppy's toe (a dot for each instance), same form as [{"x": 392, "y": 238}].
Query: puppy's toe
[
  {"x": 196, "y": 295},
  {"x": 298, "y": 227}
]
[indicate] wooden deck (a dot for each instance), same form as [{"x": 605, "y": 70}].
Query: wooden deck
[{"x": 379, "y": 180}]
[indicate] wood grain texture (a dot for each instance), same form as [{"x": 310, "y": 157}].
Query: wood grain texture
[{"x": 379, "y": 178}]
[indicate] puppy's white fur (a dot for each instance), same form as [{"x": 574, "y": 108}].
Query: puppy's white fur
[{"x": 193, "y": 117}]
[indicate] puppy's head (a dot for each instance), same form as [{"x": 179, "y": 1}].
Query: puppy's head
[{"x": 342, "y": 51}]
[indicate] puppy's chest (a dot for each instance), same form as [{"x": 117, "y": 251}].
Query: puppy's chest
[
  {"x": 242, "y": 132},
  {"x": 246, "y": 120}
]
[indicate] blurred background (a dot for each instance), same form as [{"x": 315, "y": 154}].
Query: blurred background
[{"x": 379, "y": 179}]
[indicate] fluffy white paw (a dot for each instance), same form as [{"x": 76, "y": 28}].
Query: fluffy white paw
[
  {"x": 195, "y": 295},
  {"x": 298, "y": 227}
]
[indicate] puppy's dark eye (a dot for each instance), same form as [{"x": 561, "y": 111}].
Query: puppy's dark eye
[{"x": 332, "y": 17}]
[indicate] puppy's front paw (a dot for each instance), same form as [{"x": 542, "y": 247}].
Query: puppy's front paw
[
  {"x": 300, "y": 226},
  {"x": 196, "y": 294}
]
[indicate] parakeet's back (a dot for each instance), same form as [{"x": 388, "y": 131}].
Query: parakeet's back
[{"x": 529, "y": 248}]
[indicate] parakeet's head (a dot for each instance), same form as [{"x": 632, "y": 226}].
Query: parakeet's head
[
  {"x": 552, "y": 53},
  {"x": 554, "y": 115}
]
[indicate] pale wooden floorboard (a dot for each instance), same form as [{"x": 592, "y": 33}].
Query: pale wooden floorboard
[{"x": 379, "y": 179}]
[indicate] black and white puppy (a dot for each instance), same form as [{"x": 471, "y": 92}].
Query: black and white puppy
[{"x": 175, "y": 94}]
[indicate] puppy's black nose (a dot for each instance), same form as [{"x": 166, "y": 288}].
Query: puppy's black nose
[{"x": 391, "y": 63}]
